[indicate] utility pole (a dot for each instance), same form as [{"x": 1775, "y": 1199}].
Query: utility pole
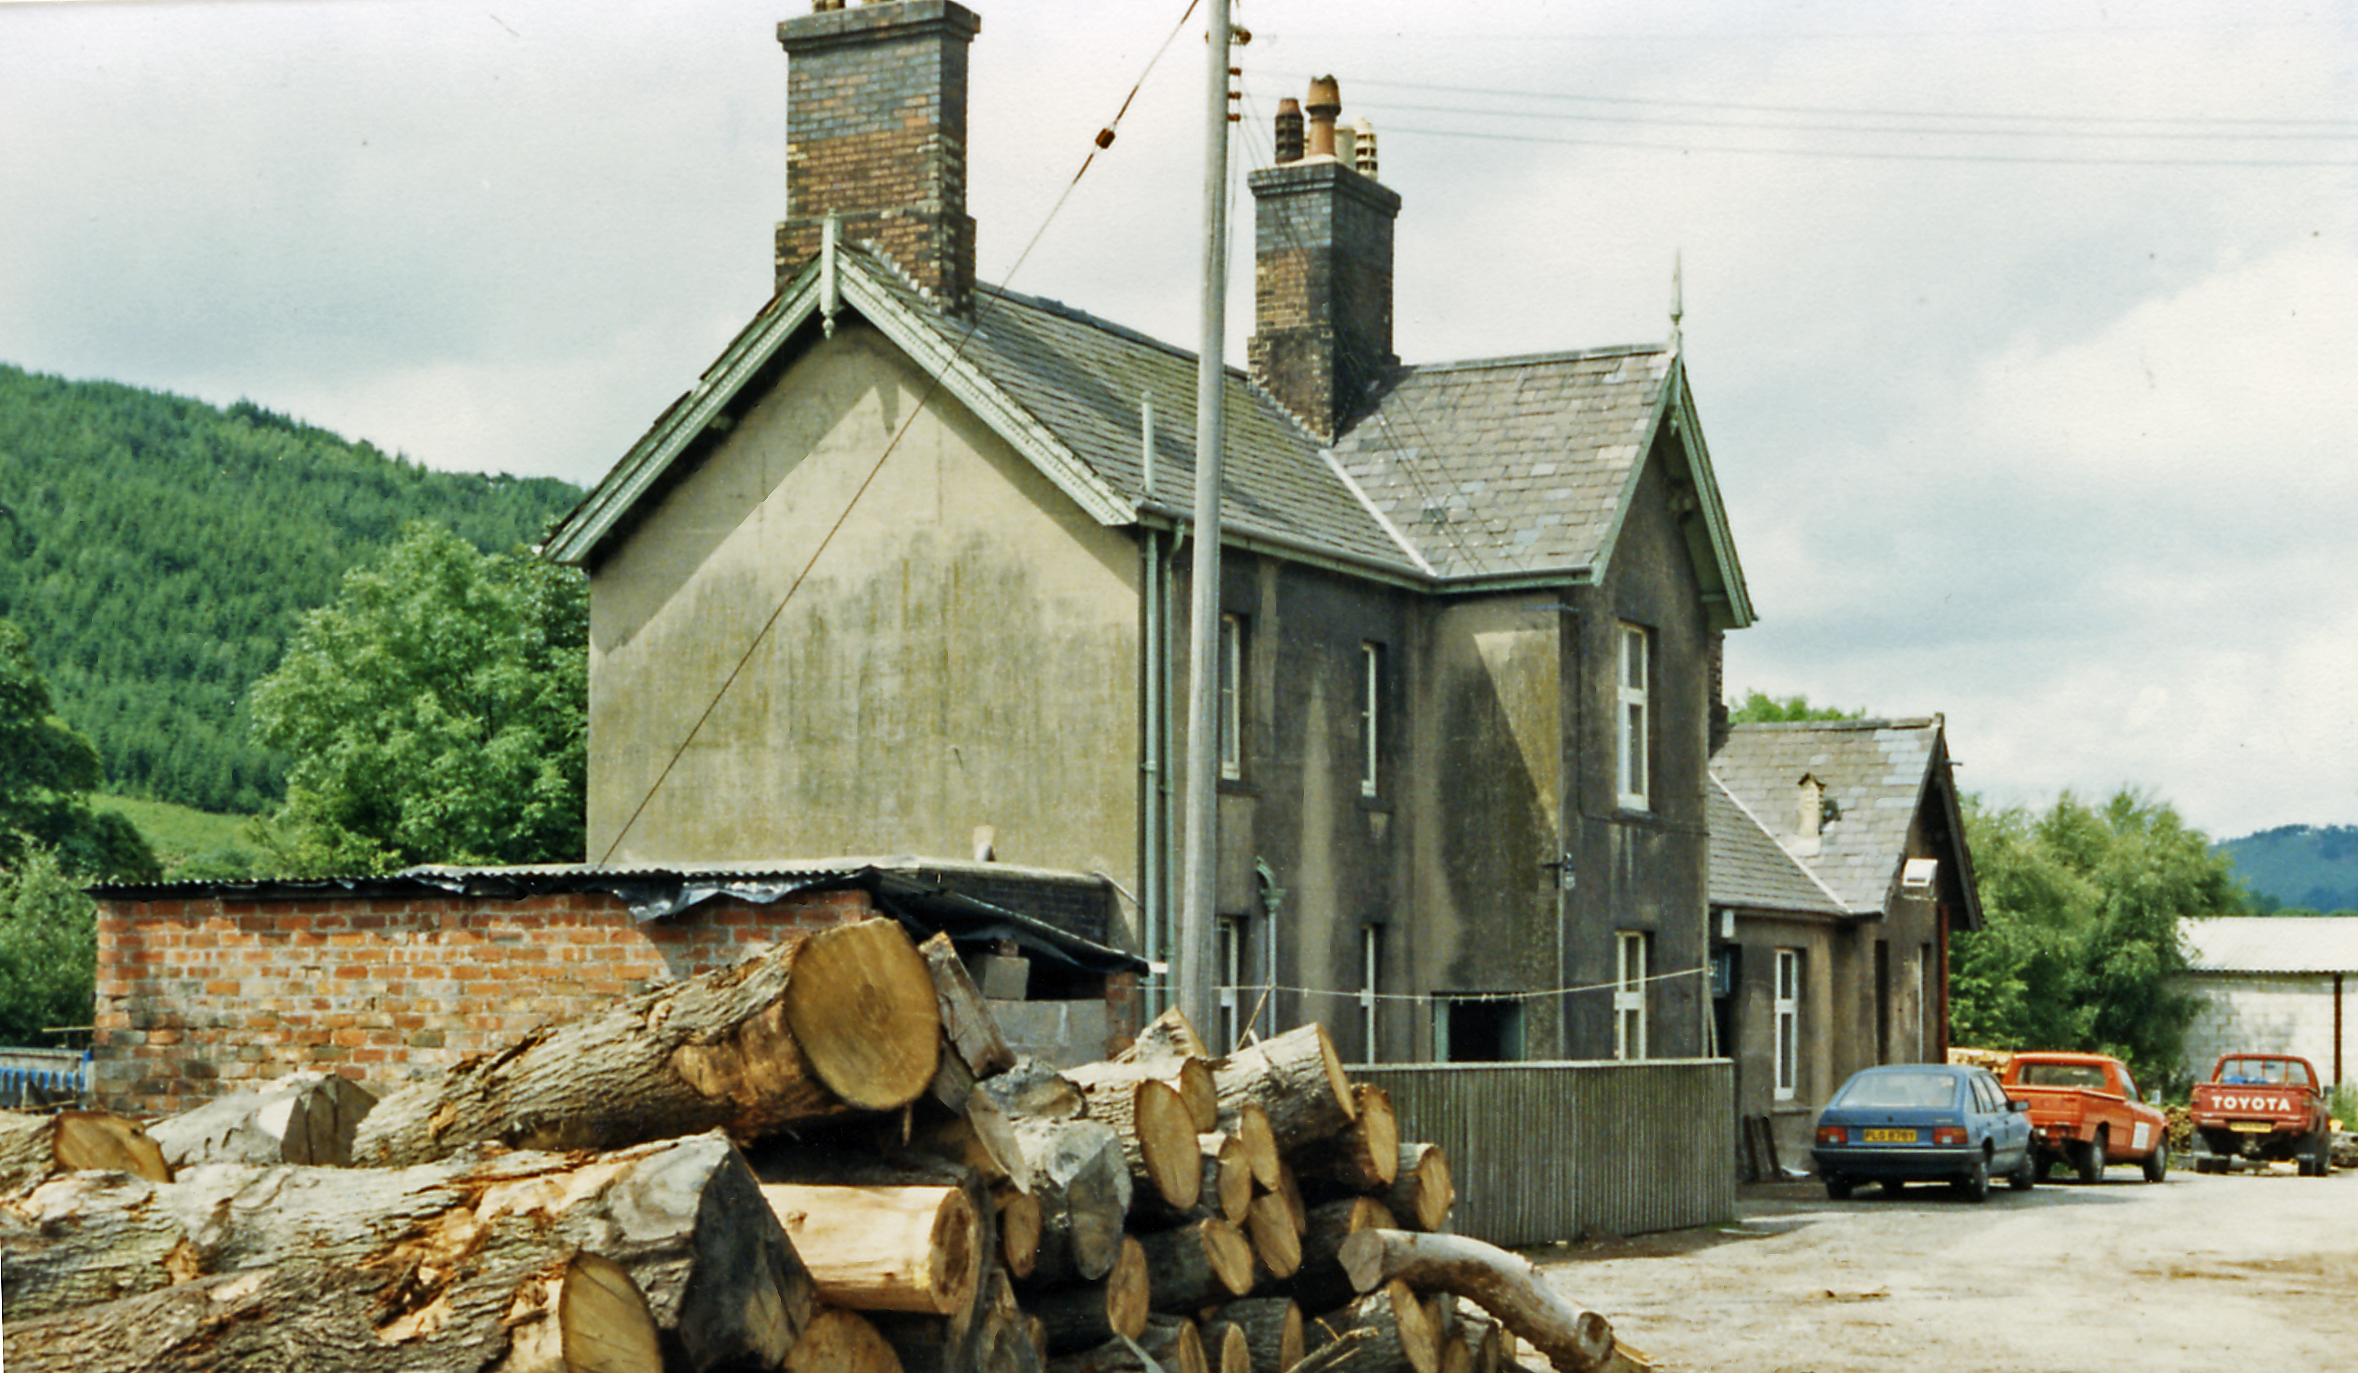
[{"x": 1191, "y": 959}]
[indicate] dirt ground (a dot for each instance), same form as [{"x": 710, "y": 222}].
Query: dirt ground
[{"x": 2201, "y": 1272}]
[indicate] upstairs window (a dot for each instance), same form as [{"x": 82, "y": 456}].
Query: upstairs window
[
  {"x": 1232, "y": 648},
  {"x": 1371, "y": 959},
  {"x": 1634, "y": 678},
  {"x": 1371, "y": 690}
]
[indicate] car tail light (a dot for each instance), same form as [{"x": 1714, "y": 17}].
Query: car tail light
[
  {"x": 1948, "y": 1134},
  {"x": 1833, "y": 1134}
]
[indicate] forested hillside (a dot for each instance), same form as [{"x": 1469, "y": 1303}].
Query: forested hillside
[
  {"x": 157, "y": 551},
  {"x": 2305, "y": 867}
]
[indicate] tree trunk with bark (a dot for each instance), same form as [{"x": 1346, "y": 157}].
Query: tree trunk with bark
[
  {"x": 967, "y": 1024},
  {"x": 1508, "y": 1286},
  {"x": 684, "y": 1218},
  {"x": 1083, "y": 1185},
  {"x": 840, "y": 1020},
  {"x": 1277, "y": 1245},
  {"x": 1018, "y": 1216},
  {"x": 1272, "y": 1329},
  {"x": 1250, "y": 1124},
  {"x": 1322, "y": 1283},
  {"x": 1422, "y": 1192},
  {"x": 1296, "y": 1078},
  {"x": 33, "y": 1148},
  {"x": 1197, "y": 1265},
  {"x": 573, "y": 1314},
  {"x": 300, "y": 1118},
  {"x": 1363, "y": 1156},
  {"x": 1158, "y": 1139},
  {"x": 1226, "y": 1349},
  {"x": 842, "y": 1341},
  {"x": 1085, "y": 1315}
]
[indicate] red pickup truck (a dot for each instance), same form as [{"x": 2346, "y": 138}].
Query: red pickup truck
[
  {"x": 2084, "y": 1110},
  {"x": 2263, "y": 1107}
]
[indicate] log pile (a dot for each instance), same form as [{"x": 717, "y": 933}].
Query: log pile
[{"x": 824, "y": 1159}]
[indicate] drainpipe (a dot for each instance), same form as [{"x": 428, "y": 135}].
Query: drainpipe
[{"x": 1152, "y": 916}]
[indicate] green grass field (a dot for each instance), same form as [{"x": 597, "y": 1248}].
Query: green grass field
[{"x": 179, "y": 834}]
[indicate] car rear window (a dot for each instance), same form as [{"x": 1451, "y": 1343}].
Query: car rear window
[
  {"x": 2062, "y": 1075},
  {"x": 1900, "y": 1089}
]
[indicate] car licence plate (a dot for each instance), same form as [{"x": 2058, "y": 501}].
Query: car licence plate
[
  {"x": 2250, "y": 1127},
  {"x": 1888, "y": 1137}
]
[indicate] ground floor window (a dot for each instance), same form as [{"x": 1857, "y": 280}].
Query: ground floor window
[
  {"x": 1629, "y": 994},
  {"x": 1788, "y": 1013},
  {"x": 1228, "y": 959},
  {"x": 1478, "y": 1029}
]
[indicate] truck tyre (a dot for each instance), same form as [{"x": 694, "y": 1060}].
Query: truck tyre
[
  {"x": 1975, "y": 1185},
  {"x": 1893, "y": 1187},
  {"x": 1838, "y": 1188},
  {"x": 2090, "y": 1160},
  {"x": 2319, "y": 1163},
  {"x": 2157, "y": 1163},
  {"x": 2026, "y": 1173}
]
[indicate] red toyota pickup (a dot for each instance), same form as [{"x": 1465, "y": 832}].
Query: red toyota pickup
[
  {"x": 2084, "y": 1110},
  {"x": 2263, "y": 1107}
]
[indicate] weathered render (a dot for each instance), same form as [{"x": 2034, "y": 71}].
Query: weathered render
[
  {"x": 908, "y": 571},
  {"x": 1838, "y": 851},
  {"x": 2275, "y": 984}
]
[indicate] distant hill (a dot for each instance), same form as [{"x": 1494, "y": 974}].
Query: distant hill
[
  {"x": 2309, "y": 867},
  {"x": 158, "y": 551}
]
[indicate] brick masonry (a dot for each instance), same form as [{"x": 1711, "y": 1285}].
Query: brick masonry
[
  {"x": 203, "y": 996},
  {"x": 1322, "y": 289},
  {"x": 876, "y": 135}
]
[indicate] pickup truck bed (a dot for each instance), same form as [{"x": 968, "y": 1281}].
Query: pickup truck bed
[
  {"x": 2263, "y": 1108},
  {"x": 2085, "y": 1113}
]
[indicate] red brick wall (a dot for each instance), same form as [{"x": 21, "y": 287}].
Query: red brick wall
[{"x": 202, "y": 997}]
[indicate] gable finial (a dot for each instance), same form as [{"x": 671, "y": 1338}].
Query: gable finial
[
  {"x": 1678, "y": 295},
  {"x": 830, "y": 291}
]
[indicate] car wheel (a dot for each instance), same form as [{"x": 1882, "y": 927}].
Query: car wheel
[
  {"x": 2321, "y": 1154},
  {"x": 2090, "y": 1162},
  {"x": 1838, "y": 1189},
  {"x": 2157, "y": 1163},
  {"x": 2026, "y": 1173},
  {"x": 1975, "y": 1185}
]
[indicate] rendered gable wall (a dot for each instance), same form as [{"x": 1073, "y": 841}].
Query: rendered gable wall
[{"x": 962, "y": 653}]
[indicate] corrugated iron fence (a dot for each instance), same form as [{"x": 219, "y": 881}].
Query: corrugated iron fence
[
  {"x": 34, "y": 1077},
  {"x": 1552, "y": 1151}
]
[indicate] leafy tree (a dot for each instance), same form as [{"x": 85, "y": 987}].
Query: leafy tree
[
  {"x": 49, "y": 769},
  {"x": 2080, "y": 950},
  {"x": 1760, "y": 708},
  {"x": 48, "y": 950},
  {"x": 436, "y": 712}
]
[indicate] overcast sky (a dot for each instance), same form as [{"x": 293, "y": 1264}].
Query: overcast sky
[{"x": 2025, "y": 337}]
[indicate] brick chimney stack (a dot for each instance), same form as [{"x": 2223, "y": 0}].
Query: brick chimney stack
[
  {"x": 1322, "y": 274},
  {"x": 876, "y": 135}
]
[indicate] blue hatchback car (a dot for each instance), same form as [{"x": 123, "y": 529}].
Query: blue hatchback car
[{"x": 1923, "y": 1122}]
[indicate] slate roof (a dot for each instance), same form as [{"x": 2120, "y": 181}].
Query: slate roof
[
  {"x": 1751, "y": 871},
  {"x": 2272, "y": 944},
  {"x": 1511, "y": 464},
  {"x": 1516, "y": 466},
  {"x": 1876, "y": 772}
]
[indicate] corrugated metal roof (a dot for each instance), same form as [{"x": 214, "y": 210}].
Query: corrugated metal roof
[
  {"x": 1751, "y": 871},
  {"x": 1874, "y": 771},
  {"x": 2272, "y": 943}
]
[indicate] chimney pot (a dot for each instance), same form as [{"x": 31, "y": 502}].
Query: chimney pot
[
  {"x": 1289, "y": 130},
  {"x": 1326, "y": 101}
]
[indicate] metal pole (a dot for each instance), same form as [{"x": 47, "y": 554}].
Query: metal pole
[{"x": 1191, "y": 959}]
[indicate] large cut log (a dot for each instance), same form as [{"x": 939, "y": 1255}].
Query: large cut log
[
  {"x": 1272, "y": 1328},
  {"x": 1083, "y": 1184},
  {"x": 1167, "y": 1345},
  {"x": 1226, "y": 1349},
  {"x": 1323, "y": 1283},
  {"x": 575, "y": 1314},
  {"x": 1277, "y": 1244},
  {"x": 1396, "y": 1329},
  {"x": 1508, "y": 1286},
  {"x": 1168, "y": 1036},
  {"x": 978, "y": 1135},
  {"x": 1191, "y": 1078},
  {"x": 1158, "y": 1139},
  {"x": 841, "y": 1341},
  {"x": 36, "y": 1147},
  {"x": 1197, "y": 1265},
  {"x": 967, "y": 1024},
  {"x": 1018, "y": 1216},
  {"x": 1363, "y": 1156},
  {"x": 1297, "y": 1078},
  {"x": 1291, "y": 1192},
  {"x": 1250, "y": 1124},
  {"x": 1422, "y": 1192},
  {"x": 884, "y": 1248},
  {"x": 300, "y": 1118},
  {"x": 684, "y": 1218},
  {"x": 1033, "y": 1089},
  {"x": 839, "y": 1020},
  {"x": 1087, "y": 1314},
  {"x": 1226, "y": 1188}
]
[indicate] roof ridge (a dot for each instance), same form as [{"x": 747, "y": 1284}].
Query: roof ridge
[
  {"x": 1789, "y": 855},
  {"x": 1528, "y": 359},
  {"x": 1869, "y": 723}
]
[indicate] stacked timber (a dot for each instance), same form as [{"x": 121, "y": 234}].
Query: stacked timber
[{"x": 824, "y": 1159}]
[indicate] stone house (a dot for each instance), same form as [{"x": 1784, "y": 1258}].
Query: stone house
[
  {"x": 908, "y": 570},
  {"x": 2272, "y": 984},
  {"x": 1839, "y": 869}
]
